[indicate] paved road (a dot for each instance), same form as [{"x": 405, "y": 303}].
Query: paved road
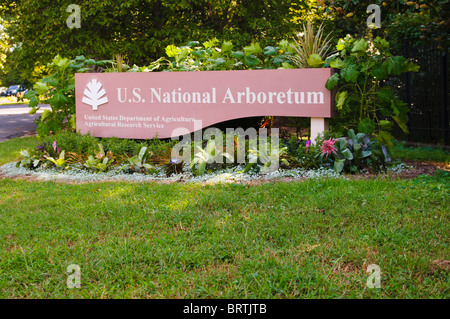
[{"x": 15, "y": 120}]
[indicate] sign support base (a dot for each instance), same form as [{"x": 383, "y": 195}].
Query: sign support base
[{"x": 318, "y": 126}]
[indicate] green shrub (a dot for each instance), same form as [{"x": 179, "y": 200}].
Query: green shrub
[{"x": 362, "y": 100}]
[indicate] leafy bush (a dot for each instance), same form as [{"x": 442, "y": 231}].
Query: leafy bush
[
  {"x": 362, "y": 100},
  {"x": 138, "y": 163},
  {"x": 209, "y": 56},
  {"x": 71, "y": 142},
  {"x": 211, "y": 156},
  {"x": 304, "y": 154},
  {"x": 59, "y": 162},
  {"x": 355, "y": 153},
  {"x": 31, "y": 159},
  {"x": 101, "y": 161},
  {"x": 58, "y": 90}
]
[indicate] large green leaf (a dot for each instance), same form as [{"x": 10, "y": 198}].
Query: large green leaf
[
  {"x": 253, "y": 48},
  {"x": 237, "y": 54},
  {"x": 385, "y": 125},
  {"x": 365, "y": 153},
  {"x": 227, "y": 46},
  {"x": 339, "y": 165},
  {"x": 45, "y": 115},
  {"x": 332, "y": 81},
  {"x": 270, "y": 51},
  {"x": 347, "y": 154},
  {"x": 350, "y": 73},
  {"x": 58, "y": 100},
  {"x": 287, "y": 65},
  {"x": 40, "y": 87},
  {"x": 50, "y": 80},
  {"x": 315, "y": 61},
  {"x": 360, "y": 46},
  {"x": 30, "y": 94},
  {"x": 401, "y": 123},
  {"x": 379, "y": 72},
  {"x": 251, "y": 60},
  {"x": 34, "y": 101},
  {"x": 337, "y": 64}
]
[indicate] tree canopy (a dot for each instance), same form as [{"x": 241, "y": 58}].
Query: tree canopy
[{"x": 140, "y": 29}]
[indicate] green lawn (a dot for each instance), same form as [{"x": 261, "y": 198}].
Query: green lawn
[{"x": 310, "y": 239}]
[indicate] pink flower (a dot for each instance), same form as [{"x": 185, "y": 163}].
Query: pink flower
[
  {"x": 328, "y": 147},
  {"x": 54, "y": 145},
  {"x": 308, "y": 144}
]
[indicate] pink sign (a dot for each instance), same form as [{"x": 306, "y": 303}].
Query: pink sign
[{"x": 145, "y": 105}]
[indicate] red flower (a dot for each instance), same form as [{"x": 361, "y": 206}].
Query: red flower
[{"x": 328, "y": 147}]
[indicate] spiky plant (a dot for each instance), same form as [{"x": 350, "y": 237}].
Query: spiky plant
[{"x": 310, "y": 42}]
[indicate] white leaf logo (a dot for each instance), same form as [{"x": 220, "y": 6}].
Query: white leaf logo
[{"x": 93, "y": 95}]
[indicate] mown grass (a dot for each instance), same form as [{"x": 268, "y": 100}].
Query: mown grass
[
  {"x": 10, "y": 149},
  {"x": 401, "y": 151},
  {"x": 309, "y": 239}
]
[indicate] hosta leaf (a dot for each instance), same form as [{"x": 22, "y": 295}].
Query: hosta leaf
[
  {"x": 339, "y": 165},
  {"x": 366, "y": 153},
  {"x": 347, "y": 154}
]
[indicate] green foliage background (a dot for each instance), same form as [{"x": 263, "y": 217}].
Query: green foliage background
[{"x": 140, "y": 30}]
